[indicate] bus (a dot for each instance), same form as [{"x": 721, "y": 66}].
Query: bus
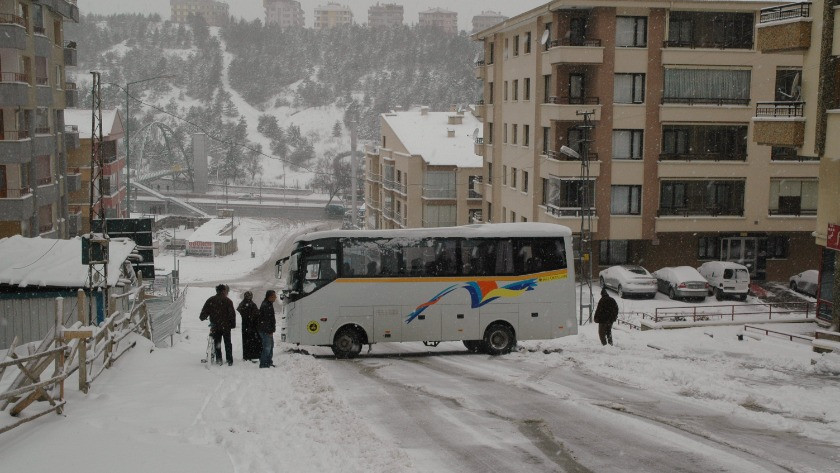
[{"x": 485, "y": 285}]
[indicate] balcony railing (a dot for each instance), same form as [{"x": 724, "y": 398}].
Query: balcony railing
[
  {"x": 42, "y": 130},
  {"x": 480, "y": 63},
  {"x": 43, "y": 181},
  {"x": 479, "y": 140},
  {"x": 9, "y": 19},
  {"x": 375, "y": 177},
  {"x": 14, "y": 77},
  {"x": 574, "y": 100},
  {"x": 793, "y": 157},
  {"x": 706, "y": 44},
  {"x": 388, "y": 213},
  {"x": 785, "y": 12},
  {"x": 14, "y": 135},
  {"x": 71, "y": 128},
  {"x": 401, "y": 188},
  {"x": 702, "y": 157},
  {"x": 42, "y": 80},
  {"x": 438, "y": 193},
  {"x": 576, "y": 42},
  {"x": 794, "y": 213},
  {"x": 388, "y": 184},
  {"x": 780, "y": 109},
  {"x": 45, "y": 227},
  {"x": 567, "y": 211},
  {"x": 473, "y": 194},
  {"x": 69, "y": 45},
  {"x": 15, "y": 193},
  {"x": 707, "y": 211},
  {"x": 558, "y": 156},
  {"x": 706, "y": 101},
  {"x": 439, "y": 223}
]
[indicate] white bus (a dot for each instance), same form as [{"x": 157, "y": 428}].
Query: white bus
[{"x": 485, "y": 285}]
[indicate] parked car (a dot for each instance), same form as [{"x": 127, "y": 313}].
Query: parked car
[
  {"x": 806, "y": 282},
  {"x": 628, "y": 279},
  {"x": 726, "y": 279},
  {"x": 681, "y": 282},
  {"x": 334, "y": 211}
]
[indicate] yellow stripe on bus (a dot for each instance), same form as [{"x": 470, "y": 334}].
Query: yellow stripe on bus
[{"x": 544, "y": 276}]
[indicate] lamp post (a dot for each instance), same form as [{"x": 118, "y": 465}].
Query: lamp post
[{"x": 127, "y": 135}]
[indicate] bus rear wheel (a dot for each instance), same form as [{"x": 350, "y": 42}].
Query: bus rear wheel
[
  {"x": 499, "y": 339},
  {"x": 474, "y": 346},
  {"x": 347, "y": 343}
]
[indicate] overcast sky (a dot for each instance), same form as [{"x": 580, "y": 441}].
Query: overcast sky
[{"x": 253, "y": 9}]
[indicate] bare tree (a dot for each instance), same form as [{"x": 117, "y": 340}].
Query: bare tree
[{"x": 332, "y": 176}]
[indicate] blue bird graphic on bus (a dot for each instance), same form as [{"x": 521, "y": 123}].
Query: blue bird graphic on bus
[{"x": 481, "y": 294}]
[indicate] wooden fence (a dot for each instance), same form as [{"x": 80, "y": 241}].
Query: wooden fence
[{"x": 88, "y": 350}]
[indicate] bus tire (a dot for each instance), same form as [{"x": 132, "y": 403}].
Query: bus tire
[
  {"x": 474, "y": 346},
  {"x": 499, "y": 339},
  {"x": 347, "y": 343}
]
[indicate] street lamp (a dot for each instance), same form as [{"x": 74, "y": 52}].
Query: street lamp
[
  {"x": 569, "y": 152},
  {"x": 127, "y": 126}
]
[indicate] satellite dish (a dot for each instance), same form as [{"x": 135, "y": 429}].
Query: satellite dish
[
  {"x": 545, "y": 36},
  {"x": 477, "y": 56},
  {"x": 475, "y": 134},
  {"x": 795, "y": 88}
]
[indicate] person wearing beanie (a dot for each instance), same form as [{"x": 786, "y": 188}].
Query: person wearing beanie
[{"x": 605, "y": 316}]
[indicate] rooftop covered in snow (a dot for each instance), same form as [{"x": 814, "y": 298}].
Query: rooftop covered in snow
[
  {"x": 216, "y": 230},
  {"x": 42, "y": 262},
  {"x": 426, "y": 134},
  {"x": 112, "y": 124}
]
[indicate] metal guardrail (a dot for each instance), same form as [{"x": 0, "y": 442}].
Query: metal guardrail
[
  {"x": 780, "y": 109},
  {"x": 702, "y": 157},
  {"x": 573, "y": 100},
  {"x": 592, "y": 43},
  {"x": 785, "y": 12},
  {"x": 14, "y": 77},
  {"x": 705, "y": 101},
  {"x": 791, "y": 336},
  {"x": 710, "y": 211},
  {"x": 566, "y": 211},
  {"x": 707, "y": 312},
  {"x": 9, "y": 19}
]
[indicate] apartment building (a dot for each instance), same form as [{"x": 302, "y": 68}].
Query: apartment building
[
  {"x": 332, "y": 15},
  {"x": 439, "y": 18},
  {"x": 681, "y": 171},
  {"x": 486, "y": 20},
  {"x": 807, "y": 131},
  {"x": 426, "y": 173},
  {"x": 34, "y": 182},
  {"x": 78, "y": 162},
  {"x": 283, "y": 13},
  {"x": 214, "y": 13},
  {"x": 386, "y": 15}
]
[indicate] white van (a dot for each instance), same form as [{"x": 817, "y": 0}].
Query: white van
[{"x": 726, "y": 279}]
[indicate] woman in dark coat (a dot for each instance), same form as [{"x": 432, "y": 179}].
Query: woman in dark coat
[{"x": 251, "y": 345}]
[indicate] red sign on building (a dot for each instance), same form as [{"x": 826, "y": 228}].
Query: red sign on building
[{"x": 833, "y": 237}]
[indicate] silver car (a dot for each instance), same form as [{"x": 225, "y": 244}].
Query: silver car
[
  {"x": 682, "y": 282},
  {"x": 628, "y": 279},
  {"x": 806, "y": 282}
]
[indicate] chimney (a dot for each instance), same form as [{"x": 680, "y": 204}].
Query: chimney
[
  {"x": 450, "y": 133},
  {"x": 456, "y": 120},
  {"x": 424, "y": 110}
]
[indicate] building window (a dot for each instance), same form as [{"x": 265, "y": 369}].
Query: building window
[
  {"x": 704, "y": 142},
  {"x": 546, "y": 88},
  {"x": 793, "y": 197},
  {"x": 504, "y": 175},
  {"x": 513, "y": 216},
  {"x": 708, "y": 248},
  {"x": 490, "y": 173},
  {"x": 568, "y": 192},
  {"x": 490, "y": 94},
  {"x": 613, "y": 252},
  {"x": 525, "y": 181},
  {"x": 527, "y": 91},
  {"x": 489, "y": 212},
  {"x": 702, "y": 197},
  {"x": 629, "y": 88},
  {"x": 516, "y": 90},
  {"x": 45, "y": 218},
  {"x": 631, "y": 31},
  {"x": 516, "y": 45},
  {"x": 627, "y": 144},
  {"x": 527, "y": 43},
  {"x": 505, "y": 140},
  {"x": 506, "y": 91},
  {"x": 474, "y": 216},
  {"x": 545, "y": 138},
  {"x": 513, "y": 177},
  {"x": 626, "y": 200},
  {"x": 489, "y": 138},
  {"x": 43, "y": 170},
  {"x": 515, "y": 133},
  {"x": 504, "y": 214},
  {"x": 439, "y": 216},
  {"x": 777, "y": 246},
  {"x": 439, "y": 184},
  {"x": 705, "y": 86},
  {"x": 492, "y": 54},
  {"x": 526, "y": 135}
]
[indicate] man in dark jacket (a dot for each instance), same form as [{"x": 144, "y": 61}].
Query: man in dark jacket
[
  {"x": 219, "y": 309},
  {"x": 605, "y": 315},
  {"x": 267, "y": 325},
  {"x": 251, "y": 346}
]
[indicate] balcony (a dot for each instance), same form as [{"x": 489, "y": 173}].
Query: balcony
[
  {"x": 374, "y": 176},
  {"x": 559, "y": 164},
  {"x": 435, "y": 193},
  {"x": 12, "y": 32},
  {"x": 784, "y": 28},
  {"x": 702, "y": 157},
  {"x": 71, "y": 137},
  {"x": 71, "y": 95},
  {"x": 43, "y": 92},
  {"x": 14, "y": 89},
  {"x": 565, "y": 108},
  {"x": 569, "y": 216},
  {"x": 580, "y": 51},
  {"x": 43, "y": 143},
  {"x": 779, "y": 124},
  {"x": 793, "y": 213},
  {"x": 479, "y": 146},
  {"x": 702, "y": 211},
  {"x": 719, "y": 101},
  {"x": 16, "y": 204},
  {"x": 480, "y": 110},
  {"x": 71, "y": 57},
  {"x": 480, "y": 70},
  {"x": 74, "y": 180},
  {"x": 388, "y": 184},
  {"x": 65, "y": 8},
  {"x": 15, "y": 147}
]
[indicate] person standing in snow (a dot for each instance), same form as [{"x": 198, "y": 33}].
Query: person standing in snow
[
  {"x": 219, "y": 309},
  {"x": 605, "y": 316},
  {"x": 251, "y": 345},
  {"x": 266, "y": 325}
]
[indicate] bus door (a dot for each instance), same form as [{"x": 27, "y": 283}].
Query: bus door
[
  {"x": 318, "y": 269},
  {"x": 534, "y": 258}
]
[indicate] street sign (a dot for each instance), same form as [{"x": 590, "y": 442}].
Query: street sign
[{"x": 833, "y": 237}]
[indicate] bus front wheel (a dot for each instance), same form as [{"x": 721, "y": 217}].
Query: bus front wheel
[
  {"x": 347, "y": 343},
  {"x": 499, "y": 339},
  {"x": 474, "y": 346}
]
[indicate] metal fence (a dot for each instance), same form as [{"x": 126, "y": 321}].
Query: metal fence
[{"x": 165, "y": 317}]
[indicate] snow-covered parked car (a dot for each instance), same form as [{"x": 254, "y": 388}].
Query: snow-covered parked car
[
  {"x": 681, "y": 282},
  {"x": 628, "y": 279},
  {"x": 806, "y": 282},
  {"x": 726, "y": 279}
]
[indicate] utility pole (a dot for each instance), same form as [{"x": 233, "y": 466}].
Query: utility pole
[
  {"x": 586, "y": 209},
  {"x": 95, "y": 252},
  {"x": 354, "y": 185}
]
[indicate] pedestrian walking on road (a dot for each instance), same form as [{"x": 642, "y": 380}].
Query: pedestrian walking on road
[
  {"x": 219, "y": 309},
  {"x": 251, "y": 344},
  {"x": 267, "y": 325},
  {"x": 605, "y": 316}
]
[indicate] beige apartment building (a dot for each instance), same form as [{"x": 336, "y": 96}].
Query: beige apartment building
[
  {"x": 214, "y": 13},
  {"x": 439, "y": 18},
  {"x": 810, "y": 128},
  {"x": 332, "y": 15},
  {"x": 283, "y": 13},
  {"x": 486, "y": 20},
  {"x": 34, "y": 179},
  {"x": 426, "y": 173},
  {"x": 386, "y": 15},
  {"x": 681, "y": 168}
]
